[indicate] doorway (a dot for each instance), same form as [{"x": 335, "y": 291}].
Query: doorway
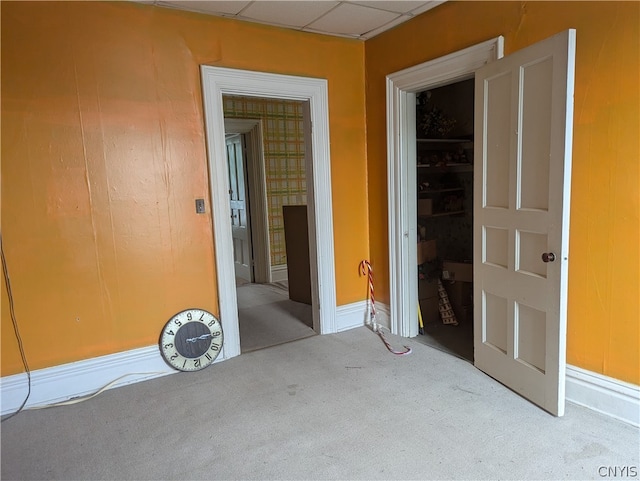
[
  {"x": 402, "y": 90},
  {"x": 444, "y": 176},
  {"x": 239, "y": 202},
  {"x": 250, "y": 130},
  {"x": 217, "y": 82},
  {"x": 523, "y": 116},
  {"x": 266, "y": 155}
]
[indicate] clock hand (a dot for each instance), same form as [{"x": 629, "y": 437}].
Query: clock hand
[{"x": 194, "y": 339}]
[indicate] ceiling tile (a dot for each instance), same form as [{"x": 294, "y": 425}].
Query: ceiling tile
[
  {"x": 361, "y": 19},
  {"x": 352, "y": 19},
  {"x": 393, "y": 6},
  {"x": 427, "y": 6},
  {"x": 296, "y": 14},
  {"x": 226, "y": 8}
]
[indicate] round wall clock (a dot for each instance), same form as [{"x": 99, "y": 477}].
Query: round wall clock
[{"x": 191, "y": 340}]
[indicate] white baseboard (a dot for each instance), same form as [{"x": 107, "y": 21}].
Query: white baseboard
[
  {"x": 350, "y": 316},
  {"x": 279, "y": 273},
  {"x": 77, "y": 379},
  {"x": 356, "y": 314},
  {"x": 603, "y": 394},
  {"x": 606, "y": 395}
]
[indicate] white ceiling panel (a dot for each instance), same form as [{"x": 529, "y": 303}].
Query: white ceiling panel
[
  {"x": 351, "y": 19},
  {"x": 226, "y": 8},
  {"x": 295, "y": 14},
  {"x": 427, "y": 6},
  {"x": 354, "y": 19},
  {"x": 398, "y": 6}
]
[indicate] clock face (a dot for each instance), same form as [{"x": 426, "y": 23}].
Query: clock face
[{"x": 191, "y": 340}]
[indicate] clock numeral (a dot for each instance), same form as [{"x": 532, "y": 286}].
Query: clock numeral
[{"x": 201, "y": 342}]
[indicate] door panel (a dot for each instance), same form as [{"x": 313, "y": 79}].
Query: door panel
[
  {"x": 496, "y": 241},
  {"x": 524, "y": 112},
  {"x": 495, "y": 327},
  {"x": 240, "y": 232},
  {"x": 498, "y": 148},
  {"x": 535, "y": 138}
]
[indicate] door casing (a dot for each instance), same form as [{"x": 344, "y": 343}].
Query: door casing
[
  {"x": 240, "y": 199},
  {"x": 401, "y": 168},
  {"x": 219, "y": 81},
  {"x": 252, "y": 129}
]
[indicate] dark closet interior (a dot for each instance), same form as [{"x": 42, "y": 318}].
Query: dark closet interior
[{"x": 444, "y": 158}]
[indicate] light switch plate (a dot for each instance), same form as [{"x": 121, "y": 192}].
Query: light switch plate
[{"x": 200, "y": 206}]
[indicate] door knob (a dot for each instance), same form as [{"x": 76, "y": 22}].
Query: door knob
[{"x": 548, "y": 257}]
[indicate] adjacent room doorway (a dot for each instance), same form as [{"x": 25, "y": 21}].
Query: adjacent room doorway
[
  {"x": 217, "y": 82},
  {"x": 267, "y": 173}
]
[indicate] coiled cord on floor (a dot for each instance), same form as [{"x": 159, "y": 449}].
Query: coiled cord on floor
[{"x": 7, "y": 282}]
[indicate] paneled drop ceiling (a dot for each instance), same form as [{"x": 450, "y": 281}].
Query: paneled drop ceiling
[{"x": 353, "y": 19}]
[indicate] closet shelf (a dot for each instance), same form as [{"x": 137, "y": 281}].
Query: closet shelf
[
  {"x": 445, "y": 141},
  {"x": 440, "y": 214},
  {"x": 428, "y": 168},
  {"x": 439, "y": 191}
]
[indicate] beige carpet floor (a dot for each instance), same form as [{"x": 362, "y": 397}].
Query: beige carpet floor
[
  {"x": 267, "y": 316},
  {"x": 332, "y": 407}
]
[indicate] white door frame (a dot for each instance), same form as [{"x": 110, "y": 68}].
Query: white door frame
[
  {"x": 257, "y": 205},
  {"x": 218, "y": 81},
  {"x": 241, "y": 233},
  {"x": 401, "y": 169}
]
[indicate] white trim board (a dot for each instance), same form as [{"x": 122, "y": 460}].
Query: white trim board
[
  {"x": 218, "y": 81},
  {"x": 279, "y": 273},
  {"x": 67, "y": 381},
  {"x": 611, "y": 397},
  {"x": 401, "y": 168},
  {"x": 606, "y": 395},
  {"x": 356, "y": 314},
  {"x": 76, "y": 379},
  {"x": 256, "y": 183}
]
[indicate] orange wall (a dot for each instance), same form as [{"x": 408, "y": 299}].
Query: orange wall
[
  {"x": 103, "y": 154},
  {"x": 604, "y": 287}
]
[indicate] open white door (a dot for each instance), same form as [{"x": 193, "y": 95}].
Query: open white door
[
  {"x": 240, "y": 231},
  {"x": 523, "y": 133}
]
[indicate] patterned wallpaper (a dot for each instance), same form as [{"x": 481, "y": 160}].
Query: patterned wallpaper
[{"x": 284, "y": 157}]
